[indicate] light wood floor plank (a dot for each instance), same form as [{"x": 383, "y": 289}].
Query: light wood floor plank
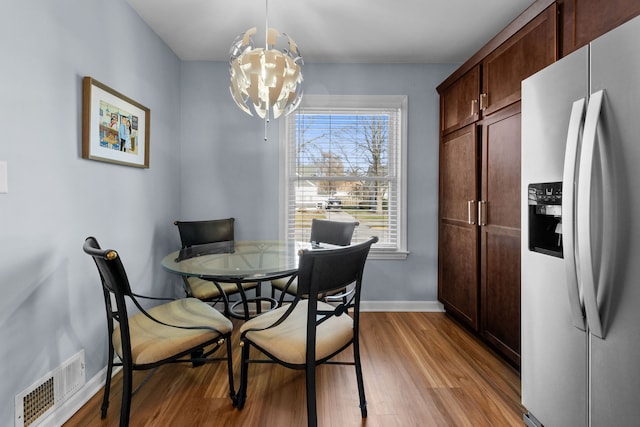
[{"x": 420, "y": 369}]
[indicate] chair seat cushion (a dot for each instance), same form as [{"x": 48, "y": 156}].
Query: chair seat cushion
[
  {"x": 152, "y": 342},
  {"x": 281, "y": 284},
  {"x": 206, "y": 290},
  {"x": 288, "y": 341}
]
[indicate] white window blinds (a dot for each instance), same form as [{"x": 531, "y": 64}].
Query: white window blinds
[{"x": 345, "y": 163}]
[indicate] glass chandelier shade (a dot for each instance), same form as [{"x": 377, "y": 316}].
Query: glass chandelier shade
[{"x": 266, "y": 82}]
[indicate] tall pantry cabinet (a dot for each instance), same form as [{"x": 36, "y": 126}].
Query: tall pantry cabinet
[
  {"x": 479, "y": 218},
  {"x": 479, "y": 191}
]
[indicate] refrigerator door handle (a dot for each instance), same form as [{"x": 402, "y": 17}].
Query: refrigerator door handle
[
  {"x": 569, "y": 180},
  {"x": 584, "y": 217}
]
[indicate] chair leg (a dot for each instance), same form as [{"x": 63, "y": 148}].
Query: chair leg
[
  {"x": 244, "y": 371},
  {"x": 127, "y": 385},
  {"x": 312, "y": 411},
  {"x": 232, "y": 391},
  {"x": 107, "y": 385},
  {"x": 363, "y": 400}
]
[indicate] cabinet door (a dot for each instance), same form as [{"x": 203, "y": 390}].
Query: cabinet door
[
  {"x": 459, "y": 102},
  {"x": 500, "y": 232},
  {"x": 585, "y": 20},
  {"x": 526, "y": 52},
  {"x": 458, "y": 231}
]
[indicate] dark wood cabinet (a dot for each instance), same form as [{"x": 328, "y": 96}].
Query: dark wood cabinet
[
  {"x": 479, "y": 217},
  {"x": 525, "y": 53},
  {"x": 500, "y": 233},
  {"x": 479, "y": 229},
  {"x": 459, "y": 102},
  {"x": 458, "y": 259},
  {"x": 585, "y": 20},
  {"x": 479, "y": 224}
]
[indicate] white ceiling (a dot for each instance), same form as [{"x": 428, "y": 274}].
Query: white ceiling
[{"x": 356, "y": 31}]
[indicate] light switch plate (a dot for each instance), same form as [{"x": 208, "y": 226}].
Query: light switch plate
[{"x": 4, "y": 184}]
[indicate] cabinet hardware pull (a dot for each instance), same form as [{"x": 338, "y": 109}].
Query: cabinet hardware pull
[
  {"x": 474, "y": 107},
  {"x": 484, "y": 101},
  {"x": 482, "y": 208},
  {"x": 470, "y": 212}
]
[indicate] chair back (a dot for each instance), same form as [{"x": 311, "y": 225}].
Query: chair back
[
  {"x": 112, "y": 272},
  {"x": 321, "y": 271},
  {"x": 206, "y": 237},
  {"x": 114, "y": 282},
  {"x": 337, "y": 233}
]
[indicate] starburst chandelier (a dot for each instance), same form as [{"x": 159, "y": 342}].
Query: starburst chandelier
[{"x": 266, "y": 82}]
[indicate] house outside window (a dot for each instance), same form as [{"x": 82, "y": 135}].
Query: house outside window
[{"x": 344, "y": 159}]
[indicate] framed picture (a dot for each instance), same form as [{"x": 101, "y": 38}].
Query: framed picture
[{"x": 115, "y": 128}]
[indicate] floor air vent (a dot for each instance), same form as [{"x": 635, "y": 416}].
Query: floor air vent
[{"x": 35, "y": 403}]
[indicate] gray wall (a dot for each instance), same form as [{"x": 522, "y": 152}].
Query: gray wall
[
  {"x": 208, "y": 159},
  {"x": 50, "y": 302},
  {"x": 229, "y": 170}
]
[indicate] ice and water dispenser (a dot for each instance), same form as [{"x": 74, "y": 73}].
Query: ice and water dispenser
[{"x": 545, "y": 218}]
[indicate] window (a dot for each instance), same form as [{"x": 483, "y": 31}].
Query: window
[{"x": 344, "y": 158}]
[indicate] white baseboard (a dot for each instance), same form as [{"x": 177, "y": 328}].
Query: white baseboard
[{"x": 398, "y": 306}]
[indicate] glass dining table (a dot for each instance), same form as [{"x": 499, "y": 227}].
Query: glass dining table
[{"x": 239, "y": 262}]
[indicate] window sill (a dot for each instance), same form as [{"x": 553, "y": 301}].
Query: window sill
[{"x": 387, "y": 254}]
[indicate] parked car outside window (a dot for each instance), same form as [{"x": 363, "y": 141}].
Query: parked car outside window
[{"x": 332, "y": 203}]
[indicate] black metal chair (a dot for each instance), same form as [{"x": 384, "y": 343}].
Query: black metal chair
[
  {"x": 309, "y": 332},
  {"x": 216, "y": 235},
  {"x": 184, "y": 330},
  {"x": 336, "y": 233}
]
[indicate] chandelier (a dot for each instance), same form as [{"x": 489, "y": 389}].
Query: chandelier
[{"x": 266, "y": 82}]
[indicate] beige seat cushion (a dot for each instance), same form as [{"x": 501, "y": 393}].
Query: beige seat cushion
[
  {"x": 288, "y": 341},
  {"x": 152, "y": 342},
  {"x": 280, "y": 284},
  {"x": 205, "y": 289}
]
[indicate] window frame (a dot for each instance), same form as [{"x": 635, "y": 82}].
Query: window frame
[{"x": 383, "y": 102}]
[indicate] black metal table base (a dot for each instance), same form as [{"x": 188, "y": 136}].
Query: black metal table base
[{"x": 258, "y": 303}]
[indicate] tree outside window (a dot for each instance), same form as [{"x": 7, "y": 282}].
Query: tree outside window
[{"x": 345, "y": 161}]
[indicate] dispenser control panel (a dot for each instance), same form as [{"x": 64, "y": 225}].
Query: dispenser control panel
[
  {"x": 545, "y": 218},
  {"x": 549, "y": 193},
  {"x": 546, "y": 197}
]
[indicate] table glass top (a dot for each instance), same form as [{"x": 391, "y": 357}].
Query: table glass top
[{"x": 251, "y": 260}]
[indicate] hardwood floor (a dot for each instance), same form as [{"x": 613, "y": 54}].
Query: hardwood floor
[{"x": 420, "y": 369}]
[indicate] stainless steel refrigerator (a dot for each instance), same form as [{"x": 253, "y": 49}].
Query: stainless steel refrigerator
[{"x": 581, "y": 236}]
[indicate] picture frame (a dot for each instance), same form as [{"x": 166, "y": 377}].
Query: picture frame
[{"x": 115, "y": 128}]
